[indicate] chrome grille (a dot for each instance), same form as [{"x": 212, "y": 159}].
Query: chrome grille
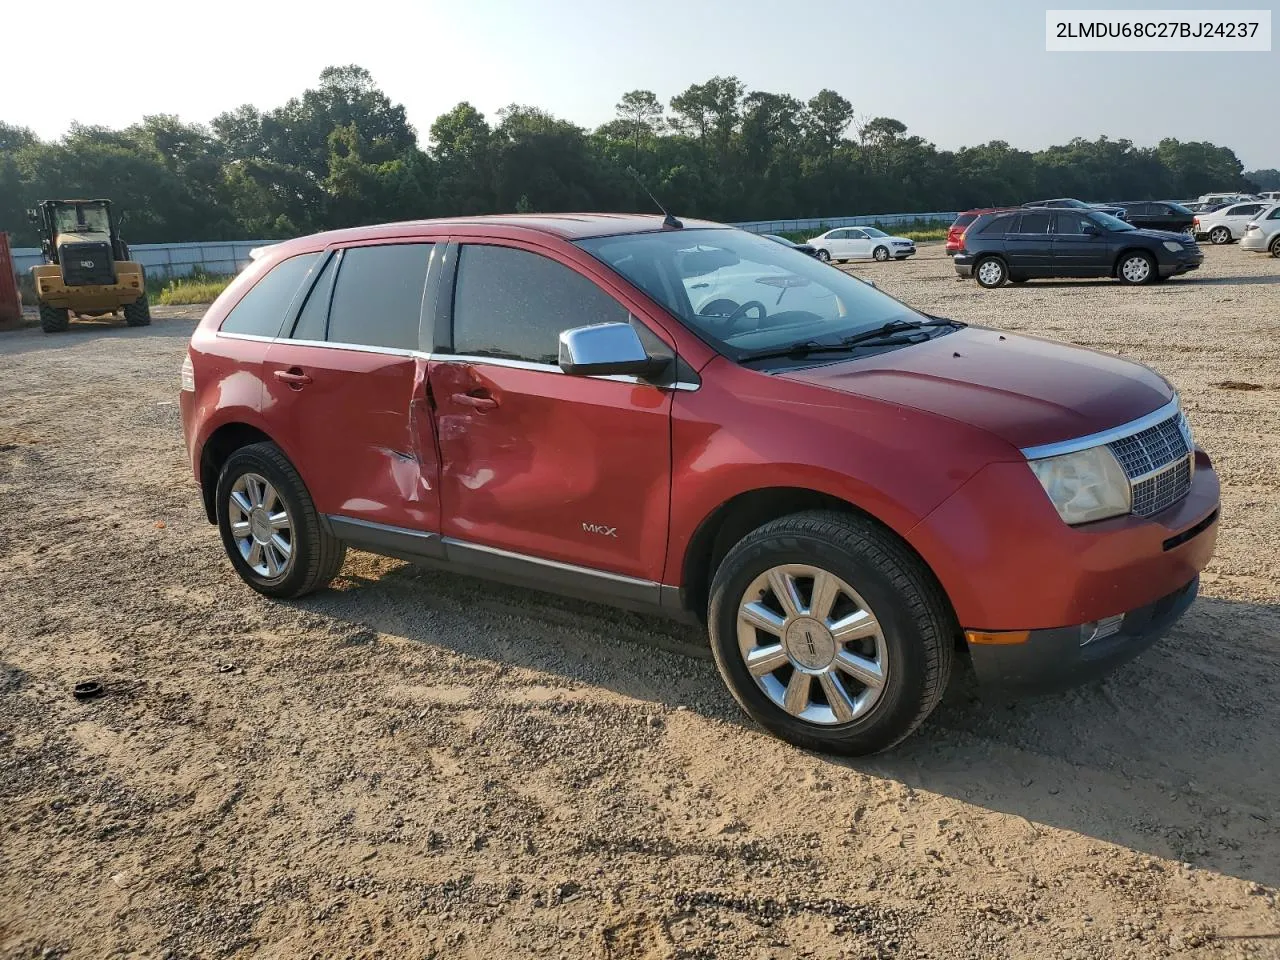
[{"x": 1158, "y": 465}]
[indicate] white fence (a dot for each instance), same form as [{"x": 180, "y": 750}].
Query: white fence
[
  {"x": 168, "y": 260},
  {"x": 821, "y": 224}
]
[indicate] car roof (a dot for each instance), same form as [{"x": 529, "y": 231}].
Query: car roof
[{"x": 566, "y": 226}]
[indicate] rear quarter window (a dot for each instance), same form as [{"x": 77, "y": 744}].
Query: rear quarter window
[{"x": 263, "y": 310}]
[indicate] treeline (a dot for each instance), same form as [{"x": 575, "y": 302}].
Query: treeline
[{"x": 342, "y": 154}]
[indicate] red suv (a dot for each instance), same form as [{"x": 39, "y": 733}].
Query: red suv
[
  {"x": 689, "y": 419},
  {"x": 955, "y": 233}
]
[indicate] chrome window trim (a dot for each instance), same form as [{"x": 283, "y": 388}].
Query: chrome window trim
[
  {"x": 680, "y": 385},
  {"x": 1105, "y": 436},
  {"x": 245, "y": 336}
]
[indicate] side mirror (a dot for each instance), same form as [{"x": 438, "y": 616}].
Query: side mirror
[
  {"x": 33, "y": 215},
  {"x": 606, "y": 349},
  {"x": 1091, "y": 231}
]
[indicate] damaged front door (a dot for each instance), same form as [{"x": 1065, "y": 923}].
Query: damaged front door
[{"x": 348, "y": 379}]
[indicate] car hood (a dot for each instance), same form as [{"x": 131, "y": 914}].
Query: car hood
[
  {"x": 1152, "y": 234},
  {"x": 1025, "y": 390}
]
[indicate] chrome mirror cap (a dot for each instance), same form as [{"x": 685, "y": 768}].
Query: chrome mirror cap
[{"x": 605, "y": 349}]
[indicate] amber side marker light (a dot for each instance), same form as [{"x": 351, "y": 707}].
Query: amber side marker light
[{"x": 997, "y": 637}]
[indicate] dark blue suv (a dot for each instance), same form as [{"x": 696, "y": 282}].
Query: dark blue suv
[{"x": 1020, "y": 245}]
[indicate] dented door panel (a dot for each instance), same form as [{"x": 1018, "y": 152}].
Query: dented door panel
[
  {"x": 360, "y": 431},
  {"x": 571, "y": 469}
]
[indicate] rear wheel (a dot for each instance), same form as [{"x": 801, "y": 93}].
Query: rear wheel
[
  {"x": 138, "y": 313},
  {"x": 990, "y": 272},
  {"x": 54, "y": 319},
  {"x": 1136, "y": 268},
  {"x": 1219, "y": 235},
  {"x": 823, "y": 255},
  {"x": 881, "y": 254},
  {"x": 830, "y": 633},
  {"x": 270, "y": 527}
]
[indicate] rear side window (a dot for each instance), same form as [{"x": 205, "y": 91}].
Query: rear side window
[
  {"x": 1247, "y": 210},
  {"x": 377, "y": 299},
  {"x": 1035, "y": 223},
  {"x": 998, "y": 226},
  {"x": 964, "y": 220},
  {"x": 314, "y": 316},
  {"x": 263, "y": 310},
  {"x": 514, "y": 304}
]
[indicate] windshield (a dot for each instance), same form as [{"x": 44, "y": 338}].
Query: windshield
[
  {"x": 873, "y": 232},
  {"x": 743, "y": 293},
  {"x": 1114, "y": 224},
  {"x": 81, "y": 218}
]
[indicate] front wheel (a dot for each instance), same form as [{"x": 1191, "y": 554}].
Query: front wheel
[
  {"x": 824, "y": 256},
  {"x": 1136, "y": 268},
  {"x": 270, "y": 527},
  {"x": 1275, "y": 246},
  {"x": 54, "y": 319},
  {"x": 881, "y": 254},
  {"x": 1219, "y": 235},
  {"x": 830, "y": 633},
  {"x": 138, "y": 313},
  {"x": 991, "y": 272}
]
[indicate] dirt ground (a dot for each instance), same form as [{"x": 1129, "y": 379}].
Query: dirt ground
[{"x": 416, "y": 765}]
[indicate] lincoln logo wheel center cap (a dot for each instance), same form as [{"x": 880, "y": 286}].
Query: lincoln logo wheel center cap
[
  {"x": 809, "y": 644},
  {"x": 260, "y": 525}
]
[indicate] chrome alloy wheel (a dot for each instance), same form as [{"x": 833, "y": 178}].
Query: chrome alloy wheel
[
  {"x": 990, "y": 272},
  {"x": 261, "y": 526},
  {"x": 1136, "y": 269},
  {"x": 812, "y": 644}
]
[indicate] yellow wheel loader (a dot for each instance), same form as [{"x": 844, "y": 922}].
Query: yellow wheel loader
[{"x": 87, "y": 271}]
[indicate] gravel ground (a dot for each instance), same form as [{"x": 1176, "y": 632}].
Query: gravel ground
[{"x": 416, "y": 765}]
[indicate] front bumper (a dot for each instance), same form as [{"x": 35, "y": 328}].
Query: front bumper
[
  {"x": 901, "y": 253},
  {"x": 1055, "y": 659},
  {"x": 1180, "y": 265}
]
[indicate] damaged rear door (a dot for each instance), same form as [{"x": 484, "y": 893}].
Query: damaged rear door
[{"x": 347, "y": 379}]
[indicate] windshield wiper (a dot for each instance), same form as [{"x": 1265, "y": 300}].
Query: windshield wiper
[{"x": 890, "y": 334}]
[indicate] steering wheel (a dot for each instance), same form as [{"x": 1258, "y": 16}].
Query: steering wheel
[{"x": 740, "y": 314}]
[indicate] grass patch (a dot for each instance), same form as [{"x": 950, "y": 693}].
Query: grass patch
[{"x": 198, "y": 287}]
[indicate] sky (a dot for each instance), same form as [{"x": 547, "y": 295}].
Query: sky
[{"x": 955, "y": 73}]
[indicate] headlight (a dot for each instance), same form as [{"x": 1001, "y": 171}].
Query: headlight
[
  {"x": 1173, "y": 246},
  {"x": 1085, "y": 485}
]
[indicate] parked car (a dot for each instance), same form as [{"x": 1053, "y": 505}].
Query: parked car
[
  {"x": 1271, "y": 195},
  {"x": 805, "y": 248},
  {"x": 808, "y": 250},
  {"x": 1227, "y": 224},
  {"x": 1020, "y": 245},
  {"x": 1263, "y": 232},
  {"x": 1199, "y": 207},
  {"x": 696, "y": 421},
  {"x": 1072, "y": 204},
  {"x": 955, "y": 233},
  {"x": 861, "y": 243},
  {"x": 1158, "y": 215},
  {"x": 1225, "y": 199}
]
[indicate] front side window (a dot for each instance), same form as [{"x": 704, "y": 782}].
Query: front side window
[
  {"x": 1070, "y": 223},
  {"x": 263, "y": 310},
  {"x": 377, "y": 297},
  {"x": 514, "y": 304},
  {"x": 744, "y": 294}
]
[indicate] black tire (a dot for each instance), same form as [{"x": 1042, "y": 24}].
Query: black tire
[
  {"x": 823, "y": 255},
  {"x": 1127, "y": 272},
  {"x": 54, "y": 319},
  {"x": 994, "y": 278},
  {"x": 918, "y": 627},
  {"x": 1219, "y": 235},
  {"x": 138, "y": 313},
  {"x": 1275, "y": 247},
  {"x": 881, "y": 254},
  {"x": 316, "y": 555}
]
